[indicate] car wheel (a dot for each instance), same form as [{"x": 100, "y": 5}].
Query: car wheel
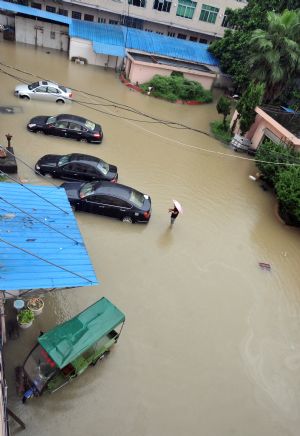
[
  {"x": 25, "y": 97},
  {"x": 127, "y": 220},
  {"x": 39, "y": 131},
  {"x": 83, "y": 140},
  {"x": 60, "y": 101}
]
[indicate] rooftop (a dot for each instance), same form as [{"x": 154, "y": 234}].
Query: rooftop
[{"x": 288, "y": 119}]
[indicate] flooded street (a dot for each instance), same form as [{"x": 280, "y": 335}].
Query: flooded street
[{"x": 211, "y": 343}]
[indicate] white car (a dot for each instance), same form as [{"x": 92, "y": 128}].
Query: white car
[{"x": 44, "y": 90}]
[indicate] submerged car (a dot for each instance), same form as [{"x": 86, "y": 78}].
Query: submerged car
[
  {"x": 76, "y": 166},
  {"x": 44, "y": 90},
  {"x": 114, "y": 200},
  {"x": 67, "y": 126}
]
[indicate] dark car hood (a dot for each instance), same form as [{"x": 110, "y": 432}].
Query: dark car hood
[
  {"x": 49, "y": 160},
  {"x": 41, "y": 119},
  {"x": 72, "y": 189}
]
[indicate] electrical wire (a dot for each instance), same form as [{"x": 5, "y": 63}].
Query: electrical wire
[{"x": 121, "y": 106}]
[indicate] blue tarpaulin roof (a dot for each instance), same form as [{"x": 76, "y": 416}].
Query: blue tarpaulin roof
[
  {"x": 35, "y": 255},
  {"x": 112, "y": 39}
]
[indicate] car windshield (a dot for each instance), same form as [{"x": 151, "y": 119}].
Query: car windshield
[
  {"x": 62, "y": 88},
  {"x": 33, "y": 85},
  {"x": 64, "y": 159},
  {"x": 51, "y": 120},
  {"x": 136, "y": 198},
  {"x": 103, "y": 167},
  {"x": 39, "y": 367},
  {"x": 90, "y": 125},
  {"x": 87, "y": 189}
]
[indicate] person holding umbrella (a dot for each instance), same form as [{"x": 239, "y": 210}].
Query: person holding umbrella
[{"x": 177, "y": 209}]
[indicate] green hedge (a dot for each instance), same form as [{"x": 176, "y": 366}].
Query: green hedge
[
  {"x": 221, "y": 133},
  {"x": 176, "y": 87}
]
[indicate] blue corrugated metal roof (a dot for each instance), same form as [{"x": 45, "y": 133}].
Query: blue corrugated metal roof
[
  {"x": 69, "y": 265},
  {"x": 167, "y": 46},
  {"x": 19, "y": 9},
  {"x": 113, "y": 39}
]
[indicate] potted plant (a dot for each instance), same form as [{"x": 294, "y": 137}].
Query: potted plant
[
  {"x": 25, "y": 318},
  {"x": 36, "y": 305}
]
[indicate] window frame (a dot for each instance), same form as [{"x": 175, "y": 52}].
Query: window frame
[{"x": 209, "y": 14}]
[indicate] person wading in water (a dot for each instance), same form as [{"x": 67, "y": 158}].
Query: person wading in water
[{"x": 174, "y": 214}]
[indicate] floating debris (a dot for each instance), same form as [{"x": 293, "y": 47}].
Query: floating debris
[{"x": 264, "y": 265}]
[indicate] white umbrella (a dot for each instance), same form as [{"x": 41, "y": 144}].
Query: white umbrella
[{"x": 178, "y": 206}]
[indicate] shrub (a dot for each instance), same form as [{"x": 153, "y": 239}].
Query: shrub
[
  {"x": 288, "y": 193},
  {"x": 25, "y": 316},
  {"x": 220, "y": 132},
  {"x": 176, "y": 87}
]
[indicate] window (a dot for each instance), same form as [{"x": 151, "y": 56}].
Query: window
[
  {"x": 193, "y": 38},
  {"x": 51, "y": 9},
  {"x": 36, "y": 5},
  {"x": 181, "y": 36},
  {"x": 148, "y": 30},
  {"x": 159, "y": 33},
  {"x": 74, "y": 126},
  {"x": 52, "y": 90},
  {"x": 101, "y": 20},
  {"x": 76, "y": 15},
  {"x": 203, "y": 41},
  {"x": 52, "y": 36},
  {"x": 225, "y": 21},
  {"x": 41, "y": 89},
  {"x": 113, "y": 22},
  {"x": 172, "y": 34},
  {"x": 61, "y": 124},
  {"x": 186, "y": 9},
  {"x": 139, "y": 3},
  {"x": 162, "y": 5},
  {"x": 209, "y": 14},
  {"x": 63, "y": 12},
  {"x": 23, "y": 2},
  {"x": 88, "y": 17}
]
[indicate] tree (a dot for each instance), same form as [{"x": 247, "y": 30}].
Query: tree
[
  {"x": 288, "y": 194},
  {"x": 223, "y": 107},
  {"x": 232, "y": 50},
  {"x": 274, "y": 58},
  {"x": 247, "y": 104},
  {"x": 270, "y": 159}
]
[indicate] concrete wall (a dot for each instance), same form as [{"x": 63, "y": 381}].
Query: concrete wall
[
  {"x": 142, "y": 72},
  {"x": 84, "y": 48},
  {"x": 41, "y": 33},
  {"x": 6, "y": 20}
]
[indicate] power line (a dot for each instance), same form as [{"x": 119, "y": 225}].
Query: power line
[{"x": 125, "y": 107}]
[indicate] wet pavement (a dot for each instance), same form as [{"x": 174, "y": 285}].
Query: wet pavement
[{"x": 211, "y": 344}]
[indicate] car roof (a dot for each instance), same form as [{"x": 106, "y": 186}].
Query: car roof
[
  {"x": 68, "y": 117},
  {"x": 114, "y": 189},
  {"x": 84, "y": 158}
]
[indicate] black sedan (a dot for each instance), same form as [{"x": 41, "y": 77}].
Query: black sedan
[
  {"x": 76, "y": 166},
  {"x": 110, "y": 199},
  {"x": 67, "y": 126}
]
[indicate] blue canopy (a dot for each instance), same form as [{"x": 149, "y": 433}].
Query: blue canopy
[{"x": 40, "y": 243}]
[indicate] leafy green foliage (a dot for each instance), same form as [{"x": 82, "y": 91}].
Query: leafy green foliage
[
  {"x": 176, "y": 87},
  {"x": 25, "y": 316},
  {"x": 275, "y": 53},
  {"x": 288, "y": 193},
  {"x": 247, "y": 104},
  {"x": 221, "y": 132},
  {"x": 269, "y": 155},
  {"x": 223, "y": 107},
  {"x": 233, "y": 49}
]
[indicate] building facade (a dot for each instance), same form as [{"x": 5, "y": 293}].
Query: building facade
[{"x": 198, "y": 21}]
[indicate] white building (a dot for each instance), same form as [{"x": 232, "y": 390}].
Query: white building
[{"x": 198, "y": 21}]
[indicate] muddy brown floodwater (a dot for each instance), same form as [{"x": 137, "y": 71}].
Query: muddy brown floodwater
[{"x": 211, "y": 345}]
